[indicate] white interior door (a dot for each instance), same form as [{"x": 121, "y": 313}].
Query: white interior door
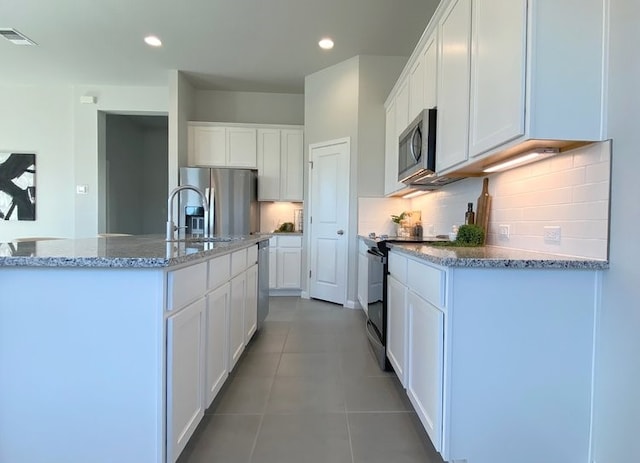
[{"x": 329, "y": 220}]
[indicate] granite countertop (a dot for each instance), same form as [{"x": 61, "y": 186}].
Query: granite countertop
[
  {"x": 496, "y": 257},
  {"x": 143, "y": 251}
]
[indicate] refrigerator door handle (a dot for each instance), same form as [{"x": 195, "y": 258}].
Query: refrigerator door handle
[{"x": 209, "y": 219}]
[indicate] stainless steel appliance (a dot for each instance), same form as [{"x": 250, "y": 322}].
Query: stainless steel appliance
[
  {"x": 417, "y": 153},
  {"x": 232, "y": 197},
  {"x": 263, "y": 281}
]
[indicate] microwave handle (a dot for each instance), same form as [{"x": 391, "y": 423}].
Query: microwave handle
[{"x": 412, "y": 149}]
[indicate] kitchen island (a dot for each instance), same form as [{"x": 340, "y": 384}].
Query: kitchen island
[
  {"x": 112, "y": 348},
  {"x": 495, "y": 348}
]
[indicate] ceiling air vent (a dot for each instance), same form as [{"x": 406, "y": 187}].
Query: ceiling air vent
[{"x": 15, "y": 37}]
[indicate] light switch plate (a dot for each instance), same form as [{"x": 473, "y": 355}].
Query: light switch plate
[{"x": 504, "y": 231}]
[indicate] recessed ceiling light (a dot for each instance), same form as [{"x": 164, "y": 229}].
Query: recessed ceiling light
[
  {"x": 326, "y": 43},
  {"x": 153, "y": 41}
]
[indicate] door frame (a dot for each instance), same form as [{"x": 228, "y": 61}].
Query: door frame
[{"x": 337, "y": 141}]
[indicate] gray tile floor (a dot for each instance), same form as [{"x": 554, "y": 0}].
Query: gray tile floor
[{"x": 307, "y": 390}]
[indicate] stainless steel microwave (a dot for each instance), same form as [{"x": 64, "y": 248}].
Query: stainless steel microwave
[{"x": 417, "y": 148}]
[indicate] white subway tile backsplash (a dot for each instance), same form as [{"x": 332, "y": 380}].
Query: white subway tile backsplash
[
  {"x": 600, "y": 172},
  {"x": 591, "y": 192},
  {"x": 569, "y": 190}
]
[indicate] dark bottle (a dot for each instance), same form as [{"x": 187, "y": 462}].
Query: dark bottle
[{"x": 469, "y": 216}]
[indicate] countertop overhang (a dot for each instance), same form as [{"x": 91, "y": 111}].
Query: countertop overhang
[{"x": 138, "y": 251}]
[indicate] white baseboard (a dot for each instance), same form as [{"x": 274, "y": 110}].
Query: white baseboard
[
  {"x": 304, "y": 295},
  {"x": 284, "y": 292},
  {"x": 350, "y": 304}
]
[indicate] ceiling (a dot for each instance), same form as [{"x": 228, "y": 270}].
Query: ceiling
[{"x": 241, "y": 45}]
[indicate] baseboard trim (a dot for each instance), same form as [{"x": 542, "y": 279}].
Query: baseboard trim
[
  {"x": 285, "y": 292},
  {"x": 304, "y": 295}
]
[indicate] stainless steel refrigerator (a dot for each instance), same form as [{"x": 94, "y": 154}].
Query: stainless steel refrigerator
[{"x": 233, "y": 201}]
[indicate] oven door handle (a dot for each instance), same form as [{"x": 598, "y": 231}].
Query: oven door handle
[{"x": 377, "y": 256}]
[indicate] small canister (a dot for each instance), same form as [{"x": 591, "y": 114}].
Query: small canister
[{"x": 417, "y": 230}]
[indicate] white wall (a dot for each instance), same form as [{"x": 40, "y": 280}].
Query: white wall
[
  {"x": 617, "y": 401},
  {"x": 181, "y": 103},
  {"x": 40, "y": 120},
  {"x": 88, "y": 156},
  {"x": 248, "y": 107},
  {"x": 345, "y": 100},
  {"x": 377, "y": 75},
  {"x": 331, "y": 112}
]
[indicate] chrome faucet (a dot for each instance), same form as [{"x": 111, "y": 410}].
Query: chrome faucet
[{"x": 171, "y": 226}]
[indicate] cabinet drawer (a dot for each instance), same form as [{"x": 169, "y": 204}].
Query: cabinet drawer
[
  {"x": 426, "y": 281},
  {"x": 238, "y": 261},
  {"x": 252, "y": 255},
  {"x": 398, "y": 267},
  {"x": 290, "y": 241},
  {"x": 186, "y": 285},
  {"x": 219, "y": 271}
]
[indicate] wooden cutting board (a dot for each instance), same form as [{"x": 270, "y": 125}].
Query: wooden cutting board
[{"x": 483, "y": 207}]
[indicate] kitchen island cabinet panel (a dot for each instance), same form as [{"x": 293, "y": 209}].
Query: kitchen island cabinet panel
[
  {"x": 185, "y": 375},
  {"x": 82, "y": 355},
  {"x": 86, "y": 337},
  {"x": 217, "y": 350},
  {"x": 236, "y": 318},
  {"x": 251, "y": 304}
]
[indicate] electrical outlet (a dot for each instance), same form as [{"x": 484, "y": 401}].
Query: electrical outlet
[
  {"x": 504, "y": 232},
  {"x": 552, "y": 234}
]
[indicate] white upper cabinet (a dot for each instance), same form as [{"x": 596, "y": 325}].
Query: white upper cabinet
[
  {"x": 291, "y": 174},
  {"x": 221, "y": 146},
  {"x": 537, "y": 74},
  {"x": 511, "y": 75},
  {"x": 497, "y": 73},
  {"x": 402, "y": 110},
  {"x": 280, "y": 162},
  {"x": 241, "y": 147},
  {"x": 269, "y": 164},
  {"x": 430, "y": 59},
  {"x": 416, "y": 88},
  {"x": 454, "y": 34}
]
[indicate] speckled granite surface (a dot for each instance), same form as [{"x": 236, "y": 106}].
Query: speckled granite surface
[
  {"x": 145, "y": 251},
  {"x": 491, "y": 257},
  {"x": 496, "y": 257}
]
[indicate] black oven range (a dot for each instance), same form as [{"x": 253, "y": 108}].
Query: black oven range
[{"x": 376, "y": 325}]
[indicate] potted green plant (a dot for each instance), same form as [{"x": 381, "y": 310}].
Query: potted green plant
[{"x": 398, "y": 220}]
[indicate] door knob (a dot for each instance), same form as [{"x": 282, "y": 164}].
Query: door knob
[{"x": 340, "y": 232}]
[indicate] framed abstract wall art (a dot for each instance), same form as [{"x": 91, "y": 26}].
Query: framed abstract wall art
[{"x": 17, "y": 186}]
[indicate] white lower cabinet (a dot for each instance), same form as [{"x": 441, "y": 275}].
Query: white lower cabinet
[
  {"x": 206, "y": 335},
  {"x": 285, "y": 263},
  {"x": 397, "y": 327},
  {"x": 217, "y": 352},
  {"x": 251, "y": 303},
  {"x": 486, "y": 357},
  {"x": 185, "y": 375},
  {"x": 426, "y": 364},
  {"x": 236, "y": 318}
]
